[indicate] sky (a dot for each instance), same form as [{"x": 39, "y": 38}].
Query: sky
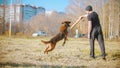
[
  {"x": 49, "y": 5},
  {"x": 58, "y": 5}
]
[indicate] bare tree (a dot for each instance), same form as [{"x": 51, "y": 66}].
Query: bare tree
[
  {"x": 49, "y": 23},
  {"x": 108, "y": 10}
]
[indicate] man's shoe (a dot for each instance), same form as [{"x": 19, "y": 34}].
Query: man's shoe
[
  {"x": 103, "y": 58},
  {"x": 92, "y": 57}
]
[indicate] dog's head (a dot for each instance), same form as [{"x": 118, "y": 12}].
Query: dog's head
[{"x": 67, "y": 23}]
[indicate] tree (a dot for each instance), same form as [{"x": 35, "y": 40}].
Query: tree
[
  {"x": 48, "y": 22},
  {"x": 108, "y": 10},
  {"x": 77, "y": 8}
]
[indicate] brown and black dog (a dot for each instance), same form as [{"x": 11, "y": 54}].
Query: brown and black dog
[{"x": 61, "y": 35}]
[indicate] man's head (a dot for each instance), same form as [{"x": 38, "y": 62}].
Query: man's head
[{"x": 88, "y": 9}]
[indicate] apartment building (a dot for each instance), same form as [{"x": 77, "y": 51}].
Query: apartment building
[{"x": 17, "y": 13}]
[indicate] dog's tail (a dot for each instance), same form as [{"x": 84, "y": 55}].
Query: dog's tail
[{"x": 45, "y": 42}]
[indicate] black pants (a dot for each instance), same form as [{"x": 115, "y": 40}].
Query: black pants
[{"x": 96, "y": 33}]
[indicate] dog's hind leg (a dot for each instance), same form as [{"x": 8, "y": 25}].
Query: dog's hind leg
[
  {"x": 46, "y": 49},
  {"x": 51, "y": 48}
]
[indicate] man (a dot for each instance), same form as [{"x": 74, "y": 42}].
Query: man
[{"x": 94, "y": 30}]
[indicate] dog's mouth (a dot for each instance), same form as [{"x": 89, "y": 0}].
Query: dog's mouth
[{"x": 68, "y": 24}]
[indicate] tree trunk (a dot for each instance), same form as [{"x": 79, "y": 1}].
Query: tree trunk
[
  {"x": 110, "y": 20},
  {"x": 119, "y": 18},
  {"x": 3, "y": 30}
]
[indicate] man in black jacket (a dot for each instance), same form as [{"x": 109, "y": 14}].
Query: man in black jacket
[{"x": 94, "y": 30}]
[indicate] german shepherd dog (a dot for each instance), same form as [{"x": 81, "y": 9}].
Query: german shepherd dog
[{"x": 63, "y": 33}]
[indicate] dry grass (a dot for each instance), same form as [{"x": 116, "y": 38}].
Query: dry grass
[{"x": 28, "y": 52}]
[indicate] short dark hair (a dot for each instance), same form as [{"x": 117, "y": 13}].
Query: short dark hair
[{"x": 88, "y": 8}]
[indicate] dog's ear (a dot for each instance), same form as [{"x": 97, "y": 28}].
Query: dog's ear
[
  {"x": 66, "y": 22},
  {"x": 63, "y": 22},
  {"x": 69, "y": 22}
]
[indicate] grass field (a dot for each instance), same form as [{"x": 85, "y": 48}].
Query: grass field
[{"x": 28, "y": 53}]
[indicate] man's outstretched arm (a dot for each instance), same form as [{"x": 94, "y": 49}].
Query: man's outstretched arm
[{"x": 83, "y": 16}]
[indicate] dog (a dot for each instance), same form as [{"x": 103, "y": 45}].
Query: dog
[{"x": 63, "y": 33}]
